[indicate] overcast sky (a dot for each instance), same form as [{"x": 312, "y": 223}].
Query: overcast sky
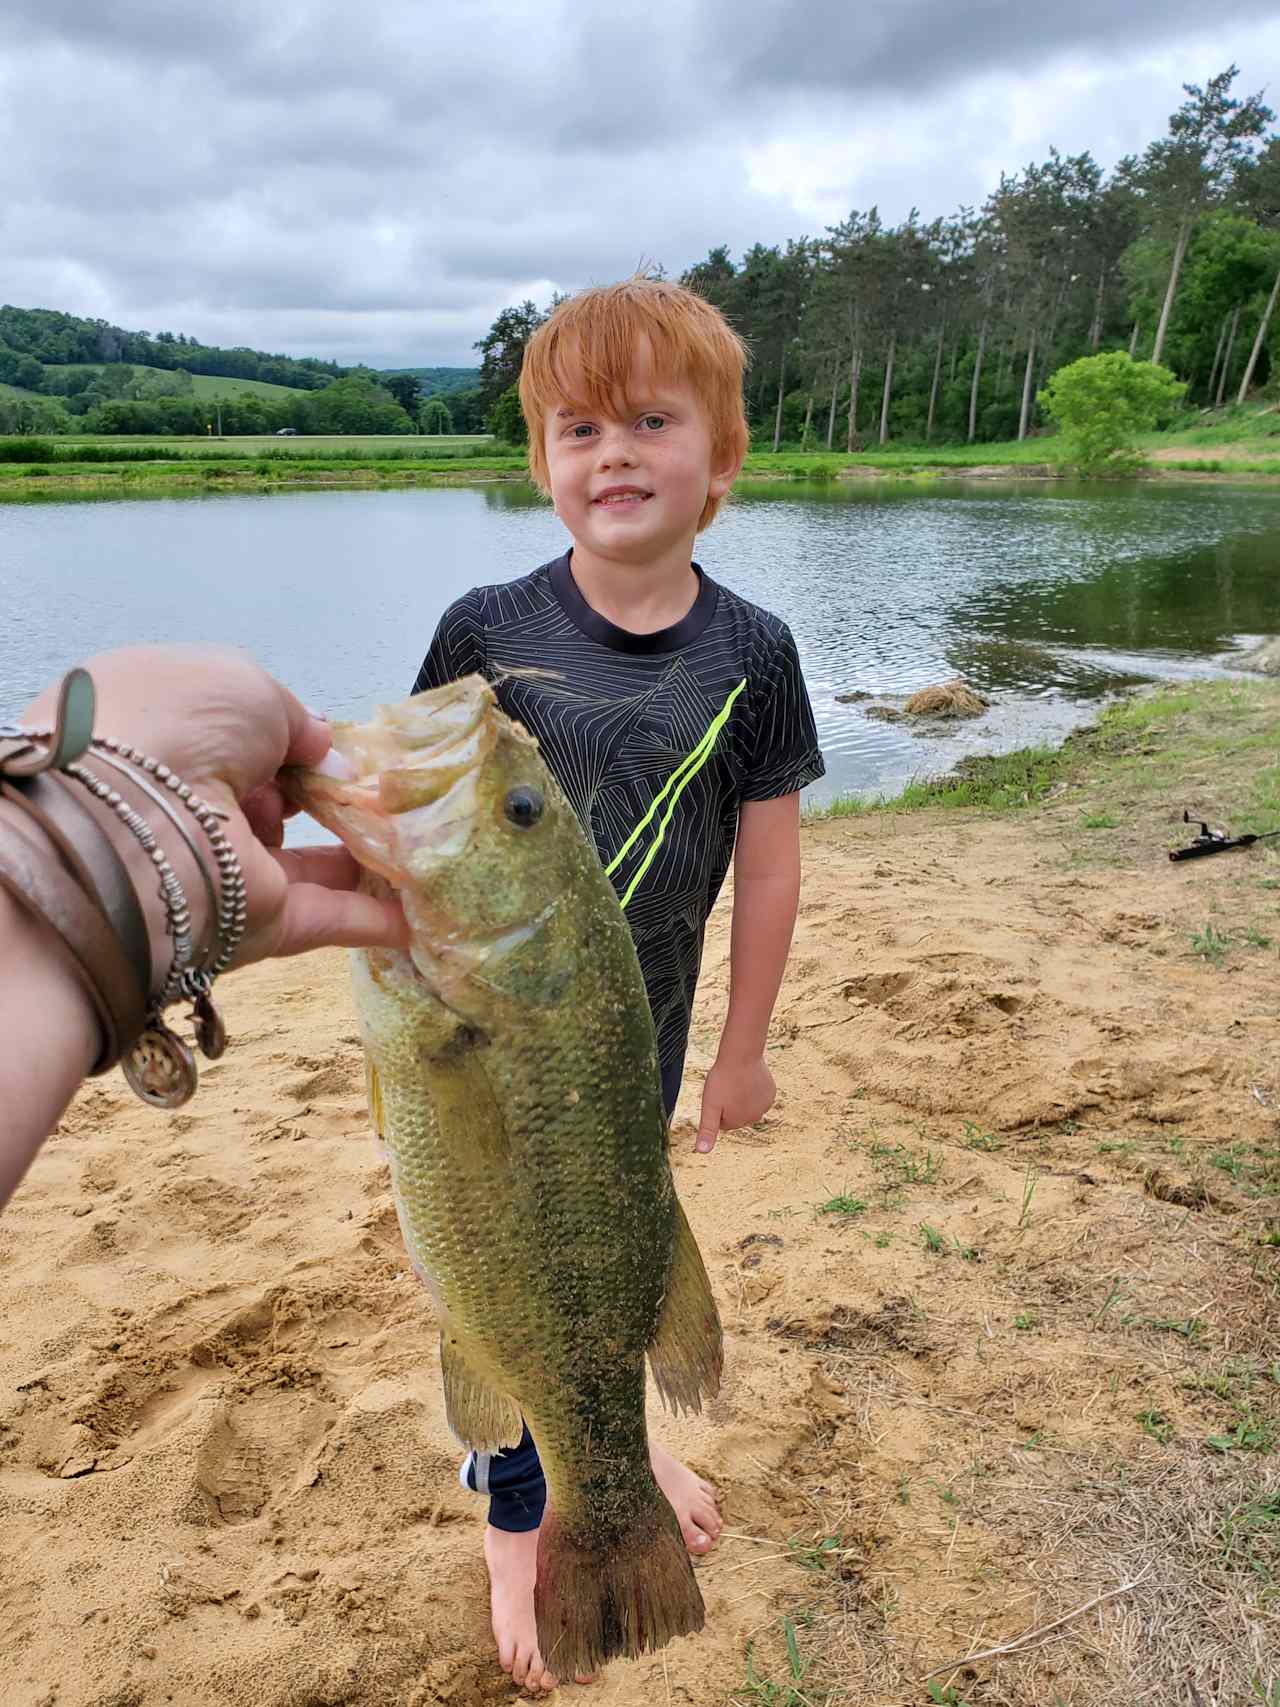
[{"x": 373, "y": 181}]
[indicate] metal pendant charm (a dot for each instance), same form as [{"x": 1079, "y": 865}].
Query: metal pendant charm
[
  {"x": 160, "y": 1068},
  {"x": 211, "y": 1033}
]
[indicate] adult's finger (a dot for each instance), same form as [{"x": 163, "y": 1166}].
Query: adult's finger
[
  {"x": 331, "y": 867},
  {"x": 316, "y": 917},
  {"x": 264, "y": 811},
  {"x": 309, "y": 734}
]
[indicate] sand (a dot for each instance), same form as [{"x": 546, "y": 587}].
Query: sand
[{"x": 225, "y": 1475}]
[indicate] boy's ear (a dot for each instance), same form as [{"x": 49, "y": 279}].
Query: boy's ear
[{"x": 724, "y": 474}]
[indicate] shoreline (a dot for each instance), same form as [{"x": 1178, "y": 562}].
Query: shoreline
[{"x": 190, "y": 476}]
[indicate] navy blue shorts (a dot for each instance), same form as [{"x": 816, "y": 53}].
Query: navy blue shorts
[{"x": 513, "y": 1479}]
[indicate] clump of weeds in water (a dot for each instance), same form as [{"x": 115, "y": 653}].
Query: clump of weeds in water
[{"x": 1210, "y": 944}]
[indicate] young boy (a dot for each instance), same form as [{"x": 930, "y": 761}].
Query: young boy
[{"x": 673, "y": 714}]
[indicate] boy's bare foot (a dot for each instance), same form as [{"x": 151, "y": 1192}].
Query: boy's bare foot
[
  {"x": 512, "y": 1561},
  {"x": 692, "y": 1500}
]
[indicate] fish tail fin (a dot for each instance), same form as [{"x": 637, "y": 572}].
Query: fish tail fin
[{"x": 594, "y": 1603}]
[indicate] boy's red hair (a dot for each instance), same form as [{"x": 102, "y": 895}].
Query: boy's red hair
[{"x": 584, "y": 354}]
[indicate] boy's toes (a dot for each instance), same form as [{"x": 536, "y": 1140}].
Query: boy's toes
[{"x": 528, "y": 1670}]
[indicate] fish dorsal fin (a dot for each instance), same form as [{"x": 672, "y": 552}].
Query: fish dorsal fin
[{"x": 373, "y": 1089}]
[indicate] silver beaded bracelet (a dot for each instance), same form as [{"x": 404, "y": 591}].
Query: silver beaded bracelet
[{"x": 160, "y": 1067}]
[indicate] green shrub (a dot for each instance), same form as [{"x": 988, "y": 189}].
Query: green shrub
[
  {"x": 1101, "y": 403},
  {"x": 26, "y": 450}
]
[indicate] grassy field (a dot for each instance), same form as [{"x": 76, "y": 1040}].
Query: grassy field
[
  {"x": 302, "y": 444},
  {"x": 1234, "y": 443}
]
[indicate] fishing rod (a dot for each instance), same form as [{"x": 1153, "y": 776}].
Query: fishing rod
[{"x": 1215, "y": 842}]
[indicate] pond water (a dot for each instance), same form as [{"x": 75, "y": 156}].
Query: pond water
[{"x": 1047, "y": 597}]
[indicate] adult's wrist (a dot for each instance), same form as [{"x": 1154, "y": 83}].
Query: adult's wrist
[{"x": 36, "y": 961}]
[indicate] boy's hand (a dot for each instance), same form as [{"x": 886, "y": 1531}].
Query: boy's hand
[{"x": 736, "y": 1093}]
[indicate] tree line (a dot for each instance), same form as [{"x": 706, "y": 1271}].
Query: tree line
[
  {"x": 47, "y": 336},
  {"x": 948, "y": 329}
]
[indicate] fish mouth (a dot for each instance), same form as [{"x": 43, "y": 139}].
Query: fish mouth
[
  {"x": 402, "y": 792},
  {"x": 401, "y": 785}
]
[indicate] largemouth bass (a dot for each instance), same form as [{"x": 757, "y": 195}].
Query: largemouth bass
[{"x": 513, "y": 1077}]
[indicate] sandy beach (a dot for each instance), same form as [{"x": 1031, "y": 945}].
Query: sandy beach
[{"x": 995, "y": 1274}]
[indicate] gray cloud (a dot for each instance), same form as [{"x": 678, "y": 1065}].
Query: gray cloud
[{"x": 376, "y": 183}]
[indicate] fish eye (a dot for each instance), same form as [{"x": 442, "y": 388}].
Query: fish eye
[{"x": 523, "y": 807}]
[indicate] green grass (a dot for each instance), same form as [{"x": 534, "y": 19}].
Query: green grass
[
  {"x": 146, "y": 466},
  {"x": 999, "y": 782},
  {"x": 843, "y": 1204}
]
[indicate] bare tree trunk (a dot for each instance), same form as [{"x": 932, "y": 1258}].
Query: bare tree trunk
[
  {"x": 855, "y": 374},
  {"x": 1217, "y": 357},
  {"x": 937, "y": 376},
  {"x": 977, "y": 375},
  {"x": 1179, "y": 250},
  {"x": 1258, "y": 342},
  {"x": 1133, "y": 341},
  {"x": 955, "y": 357},
  {"x": 808, "y": 422},
  {"x": 835, "y": 387},
  {"x": 1226, "y": 360},
  {"x": 888, "y": 388},
  {"x": 1095, "y": 331},
  {"x": 782, "y": 392},
  {"x": 1025, "y": 417}
]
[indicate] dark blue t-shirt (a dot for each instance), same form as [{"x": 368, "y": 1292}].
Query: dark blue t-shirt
[{"x": 665, "y": 734}]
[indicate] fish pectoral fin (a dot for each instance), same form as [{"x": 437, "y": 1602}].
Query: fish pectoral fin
[
  {"x": 481, "y": 1417},
  {"x": 687, "y": 1353},
  {"x": 373, "y": 1090}
]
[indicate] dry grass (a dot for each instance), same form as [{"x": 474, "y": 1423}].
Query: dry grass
[{"x": 946, "y": 699}]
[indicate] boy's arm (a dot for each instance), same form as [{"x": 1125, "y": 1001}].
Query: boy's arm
[{"x": 766, "y": 892}]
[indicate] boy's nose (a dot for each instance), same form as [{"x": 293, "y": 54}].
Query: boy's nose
[{"x": 615, "y": 449}]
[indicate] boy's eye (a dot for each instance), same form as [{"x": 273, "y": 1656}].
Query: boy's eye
[
  {"x": 583, "y": 430},
  {"x": 654, "y": 423}
]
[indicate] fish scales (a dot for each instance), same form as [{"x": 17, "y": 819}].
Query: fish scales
[{"x": 514, "y": 1081}]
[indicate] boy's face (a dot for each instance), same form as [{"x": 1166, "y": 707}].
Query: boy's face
[{"x": 630, "y": 484}]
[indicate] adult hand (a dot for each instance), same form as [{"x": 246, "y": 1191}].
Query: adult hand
[
  {"x": 736, "y": 1093},
  {"x": 226, "y": 727}
]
